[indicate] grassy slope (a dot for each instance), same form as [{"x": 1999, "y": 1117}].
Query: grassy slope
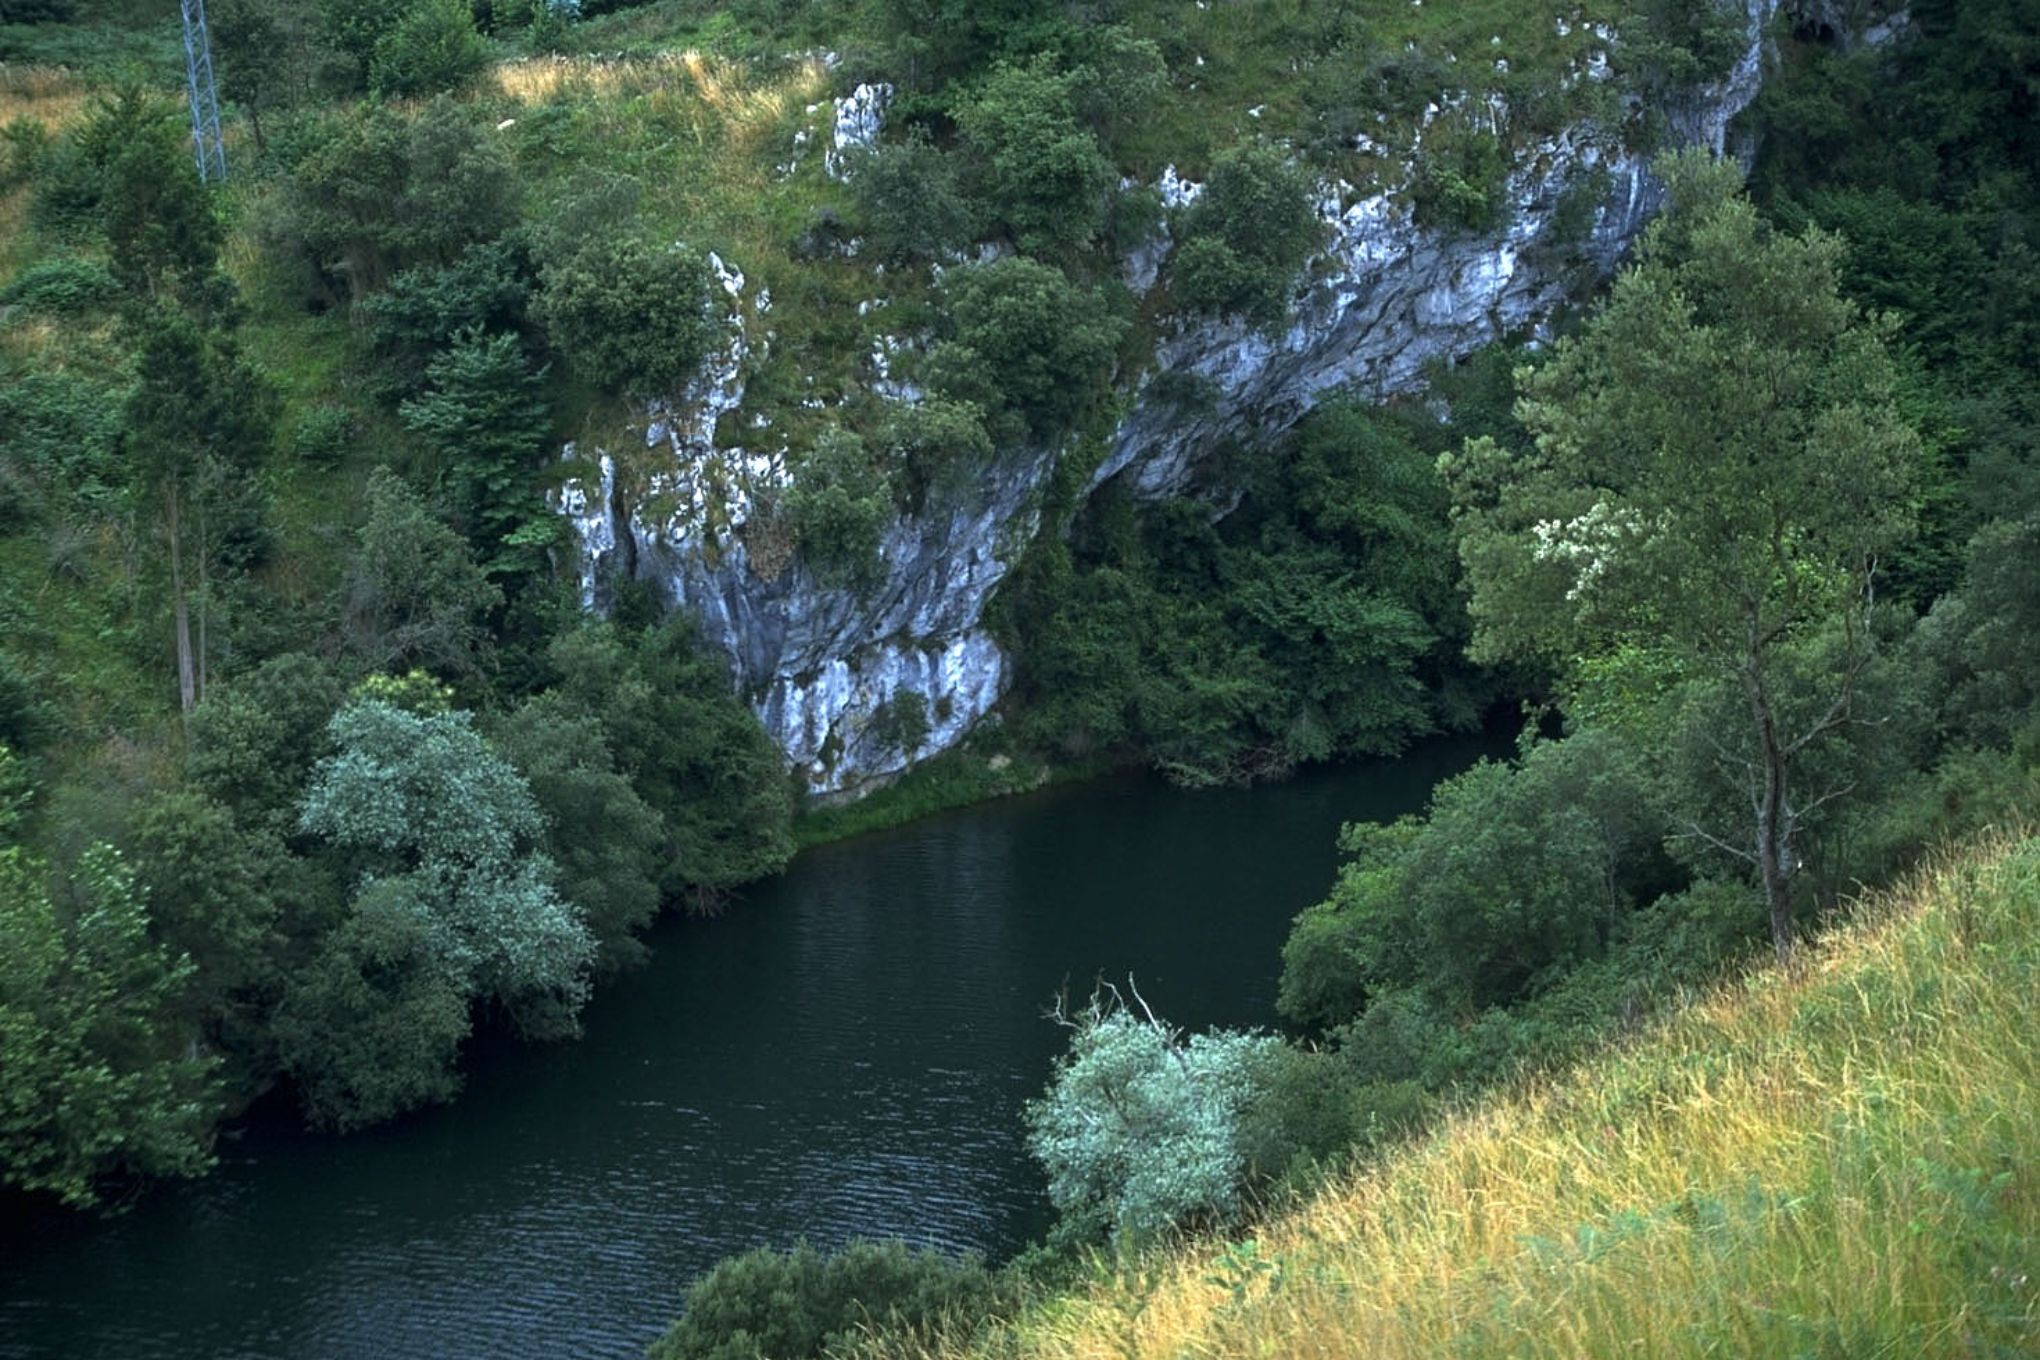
[{"x": 1839, "y": 1160}]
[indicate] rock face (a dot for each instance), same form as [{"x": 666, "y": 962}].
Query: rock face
[{"x": 831, "y": 671}]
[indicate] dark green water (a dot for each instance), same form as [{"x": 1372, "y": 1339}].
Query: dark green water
[{"x": 845, "y": 1054}]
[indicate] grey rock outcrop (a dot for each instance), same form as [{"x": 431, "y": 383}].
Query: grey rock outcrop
[{"x": 828, "y": 668}]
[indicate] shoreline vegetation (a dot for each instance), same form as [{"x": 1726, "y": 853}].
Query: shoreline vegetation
[{"x": 1837, "y": 1152}]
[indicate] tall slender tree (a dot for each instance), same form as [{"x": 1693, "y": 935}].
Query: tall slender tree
[{"x": 1720, "y": 466}]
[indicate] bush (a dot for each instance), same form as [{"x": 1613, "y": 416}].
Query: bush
[
  {"x": 798, "y": 1304},
  {"x": 839, "y": 505},
  {"x": 1248, "y": 234},
  {"x": 1516, "y": 875},
  {"x": 632, "y": 318},
  {"x": 910, "y": 201},
  {"x": 1462, "y": 179},
  {"x": 61, "y": 287},
  {"x": 432, "y": 49},
  {"x": 1142, "y": 1129},
  {"x": 381, "y": 194},
  {"x": 1041, "y": 174},
  {"x": 1027, "y": 344},
  {"x": 933, "y": 446},
  {"x": 324, "y": 434}
]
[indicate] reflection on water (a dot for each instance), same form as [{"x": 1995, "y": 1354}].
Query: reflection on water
[{"x": 845, "y": 1053}]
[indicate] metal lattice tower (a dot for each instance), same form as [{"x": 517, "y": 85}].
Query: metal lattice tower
[{"x": 207, "y": 146}]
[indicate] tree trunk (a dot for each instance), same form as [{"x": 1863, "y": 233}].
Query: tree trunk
[
  {"x": 1774, "y": 845},
  {"x": 187, "y": 674}
]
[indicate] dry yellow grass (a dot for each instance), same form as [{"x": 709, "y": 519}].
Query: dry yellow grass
[
  {"x": 1843, "y": 1160},
  {"x": 723, "y": 92},
  {"x": 50, "y": 94}
]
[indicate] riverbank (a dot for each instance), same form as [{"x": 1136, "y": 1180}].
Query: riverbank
[
  {"x": 1836, "y": 1157},
  {"x": 958, "y": 778}
]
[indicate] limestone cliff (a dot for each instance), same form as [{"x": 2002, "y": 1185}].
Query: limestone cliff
[{"x": 1383, "y": 299}]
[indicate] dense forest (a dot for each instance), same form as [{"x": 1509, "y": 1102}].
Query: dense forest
[{"x": 313, "y": 759}]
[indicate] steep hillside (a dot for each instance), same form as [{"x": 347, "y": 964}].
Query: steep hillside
[{"x": 1834, "y": 1160}]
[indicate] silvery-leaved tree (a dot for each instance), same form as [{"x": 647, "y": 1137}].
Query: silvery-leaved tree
[
  {"x": 1720, "y": 463},
  {"x": 451, "y": 903},
  {"x": 1140, "y": 1130}
]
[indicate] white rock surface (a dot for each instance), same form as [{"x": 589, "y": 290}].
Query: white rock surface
[{"x": 1384, "y": 298}]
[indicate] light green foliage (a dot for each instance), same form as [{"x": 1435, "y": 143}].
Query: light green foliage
[
  {"x": 839, "y": 505},
  {"x": 1726, "y": 540},
  {"x": 438, "y": 835},
  {"x": 1140, "y": 1131},
  {"x": 433, "y": 47},
  {"x": 484, "y": 419},
  {"x": 802, "y": 1305},
  {"x": 1041, "y": 174},
  {"x": 1030, "y": 346},
  {"x": 413, "y": 595},
  {"x": 95, "y": 1080},
  {"x": 606, "y": 840},
  {"x": 1516, "y": 875},
  {"x": 1247, "y": 235},
  {"x": 631, "y": 318}
]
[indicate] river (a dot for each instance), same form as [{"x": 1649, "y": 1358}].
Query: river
[{"x": 845, "y": 1053}]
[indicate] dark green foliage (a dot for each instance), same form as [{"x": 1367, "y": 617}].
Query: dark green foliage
[
  {"x": 1671, "y": 44},
  {"x": 254, "y": 740},
  {"x": 1041, "y": 174},
  {"x": 901, "y": 722},
  {"x": 433, "y": 47},
  {"x": 354, "y": 27},
  {"x": 605, "y": 839},
  {"x": 488, "y": 289},
  {"x": 1304, "y": 626},
  {"x": 484, "y": 421},
  {"x": 413, "y": 595},
  {"x": 793, "y": 1305},
  {"x": 910, "y": 200},
  {"x": 1247, "y": 235},
  {"x": 1027, "y": 345},
  {"x": 36, "y": 11},
  {"x": 933, "y": 448},
  {"x": 694, "y": 753},
  {"x": 1515, "y": 876},
  {"x": 382, "y": 193},
  {"x": 938, "y": 40},
  {"x": 61, "y": 286},
  {"x": 263, "y": 54},
  {"x": 839, "y": 505},
  {"x": 631, "y": 318},
  {"x": 372, "y": 1026},
  {"x": 1461, "y": 179}
]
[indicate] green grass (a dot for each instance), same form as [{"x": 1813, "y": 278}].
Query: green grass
[
  {"x": 957, "y": 778},
  {"x": 1838, "y": 1159}
]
